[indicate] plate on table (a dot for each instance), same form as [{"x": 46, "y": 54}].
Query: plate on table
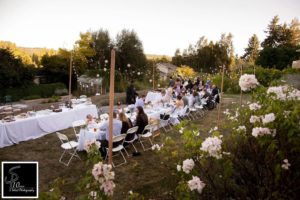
[{"x": 22, "y": 116}]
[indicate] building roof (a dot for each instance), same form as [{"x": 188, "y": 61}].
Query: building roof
[{"x": 166, "y": 67}]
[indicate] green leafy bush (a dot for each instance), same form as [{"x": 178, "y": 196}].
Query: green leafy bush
[
  {"x": 255, "y": 155},
  {"x": 41, "y": 91}
]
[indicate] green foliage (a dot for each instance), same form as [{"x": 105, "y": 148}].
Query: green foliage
[
  {"x": 280, "y": 45},
  {"x": 13, "y": 73},
  {"x": 252, "y": 51},
  {"x": 206, "y": 57},
  {"x": 33, "y": 91},
  {"x": 250, "y": 167}
]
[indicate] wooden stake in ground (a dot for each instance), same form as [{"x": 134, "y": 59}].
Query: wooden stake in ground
[
  {"x": 111, "y": 104},
  {"x": 221, "y": 94},
  {"x": 241, "y": 94},
  {"x": 70, "y": 76}
]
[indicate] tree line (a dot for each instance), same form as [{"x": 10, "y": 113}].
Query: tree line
[{"x": 277, "y": 50}]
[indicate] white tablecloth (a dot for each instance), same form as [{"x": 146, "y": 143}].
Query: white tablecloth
[
  {"x": 153, "y": 97},
  {"x": 35, "y": 127}
]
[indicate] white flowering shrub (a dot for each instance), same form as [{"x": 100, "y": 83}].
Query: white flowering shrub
[{"x": 253, "y": 155}]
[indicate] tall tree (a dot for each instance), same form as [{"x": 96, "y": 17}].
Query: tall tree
[
  {"x": 295, "y": 30},
  {"x": 273, "y": 33},
  {"x": 130, "y": 54},
  {"x": 252, "y": 51}
]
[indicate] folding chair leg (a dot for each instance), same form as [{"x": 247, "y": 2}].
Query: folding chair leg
[{"x": 134, "y": 147}]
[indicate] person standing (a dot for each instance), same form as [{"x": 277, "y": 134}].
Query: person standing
[{"x": 131, "y": 94}]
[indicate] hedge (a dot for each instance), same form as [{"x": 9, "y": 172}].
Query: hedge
[{"x": 42, "y": 91}]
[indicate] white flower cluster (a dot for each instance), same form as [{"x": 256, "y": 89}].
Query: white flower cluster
[
  {"x": 268, "y": 118},
  {"x": 226, "y": 112},
  {"x": 212, "y": 145},
  {"x": 286, "y": 164},
  {"x": 89, "y": 143},
  {"x": 103, "y": 174},
  {"x": 254, "y": 106},
  {"x": 213, "y": 129},
  {"x": 260, "y": 131},
  {"x": 247, "y": 82},
  {"x": 241, "y": 129},
  {"x": 265, "y": 119},
  {"x": 284, "y": 93},
  {"x": 156, "y": 146},
  {"x": 196, "y": 184},
  {"x": 187, "y": 165},
  {"x": 93, "y": 195},
  {"x": 181, "y": 130},
  {"x": 254, "y": 119}
]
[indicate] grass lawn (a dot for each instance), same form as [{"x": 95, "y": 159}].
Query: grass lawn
[{"x": 146, "y": 174}]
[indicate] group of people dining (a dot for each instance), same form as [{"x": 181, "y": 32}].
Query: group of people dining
[
  {"x": 179, "y": 94},
  {"x": 121, "y": 124}
]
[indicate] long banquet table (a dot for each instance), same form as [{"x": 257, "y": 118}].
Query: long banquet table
[{"x": 40, "y": 125}]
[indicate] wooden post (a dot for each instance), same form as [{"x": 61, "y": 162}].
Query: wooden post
[
  {"x": 111, "y": 104},
  {"x": 70, "y": 77},
  {"x": 241, "y": 94},
  {"x": 153, "y": 78},
  {"x": 254, "y": 69},
  {"x": 221, "y": 95}
]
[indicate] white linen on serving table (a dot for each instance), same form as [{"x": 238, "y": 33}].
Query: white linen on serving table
[
  {"x": 88, "y": 134},
  {"x": 153, "y": 97},
  {"x": 35, "y": 127}
]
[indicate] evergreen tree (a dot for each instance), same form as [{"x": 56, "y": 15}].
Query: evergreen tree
[{"x": 252, "y": 51}]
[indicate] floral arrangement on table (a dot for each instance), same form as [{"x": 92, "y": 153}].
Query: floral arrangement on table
[{"x": 254, "y": 155}]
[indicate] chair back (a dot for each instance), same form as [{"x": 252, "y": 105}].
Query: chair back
[
  {"x": 130, "y": 134},
  {"x": 118, "y": 140},
  {"x": 132, "y": 130},
  {"x": 78, "y": 123},
  {"x": 62, "y": 137},
  {"x": 147, "y": 129}
]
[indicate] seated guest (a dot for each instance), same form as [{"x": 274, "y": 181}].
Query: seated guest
[
  {"x": 185, "y": 99},
  {"x": 141, "y": 120},
  {"x": 214, "y": 92},
  {"x": 179, "y": 104},
  {"x": 117, "y": 126},
  {"x": 197, "y": 99},
  {"x": 126, "y": 123},
  {"x": 119, "y": 107},
  {"x": 140, "y": 101},
  {"x": 90, "y": 119}
]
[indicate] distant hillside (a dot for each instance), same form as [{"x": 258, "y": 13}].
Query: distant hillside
[
  {"x": 158, "y": 57},
  {"x": 27, "y": 55}
]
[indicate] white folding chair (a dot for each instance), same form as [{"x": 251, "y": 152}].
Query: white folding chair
[
  {"x": 165, "y": 123},
  {"x": 147, "y": 134},
  {"x": 76, "y": 124},
  {"x": 118, "y": 142},
  {"x": 131, "y": 133},
  {"x": 67, "y": 146}
]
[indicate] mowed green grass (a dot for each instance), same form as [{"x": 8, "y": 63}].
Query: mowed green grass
[{"x": 146, "y": 174}]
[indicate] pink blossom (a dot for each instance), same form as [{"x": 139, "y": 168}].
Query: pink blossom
[
  {"x": 260, "y": 131},
  {"x": 212, "y": 145},
  {"x": 268, "y": 118},
  {"x": 188, "y": 165},
  {"x": 108, "y": 187},
  {"x": 247, "y": 82},
  {"x": 254, "y": 106},
  {"x": 254, "y": 119},
  {"x": 196, "y": 184}
]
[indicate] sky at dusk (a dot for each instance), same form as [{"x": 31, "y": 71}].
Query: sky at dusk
[{"x": 162, "y": 25}]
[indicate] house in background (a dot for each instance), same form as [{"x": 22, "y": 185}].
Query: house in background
[
  {"x": 165, "y": 70},
  {"x": 296, "y": 63}
]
